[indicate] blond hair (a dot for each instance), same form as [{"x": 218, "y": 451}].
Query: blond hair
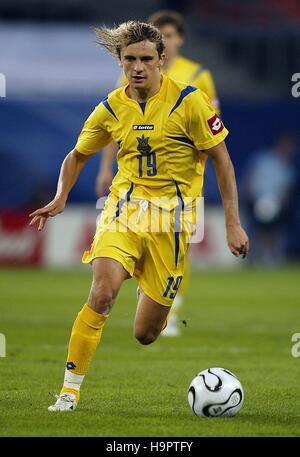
[{"x": 113, "y": 40}]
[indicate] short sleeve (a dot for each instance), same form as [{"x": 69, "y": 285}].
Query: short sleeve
[
  {"x": 94, "y": 135},
  {"x": 206, "y": 128}
]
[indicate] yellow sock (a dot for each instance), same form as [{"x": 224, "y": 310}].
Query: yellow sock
[{"x": 85, "y": 337}]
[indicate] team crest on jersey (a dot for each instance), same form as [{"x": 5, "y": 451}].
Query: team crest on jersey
[
  {"x": 215, "y": 124},
  {"x": 143, "y": 127},
  {"x": 143, "y": 145}
]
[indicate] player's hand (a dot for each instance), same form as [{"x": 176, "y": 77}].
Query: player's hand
[
  {"x": 237, "y": 240},
  {"x": 41, "y": 215},
  {"x": 103, "y": 182}
]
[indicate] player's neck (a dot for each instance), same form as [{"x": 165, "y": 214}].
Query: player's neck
[{"x": 143, "y": 94}]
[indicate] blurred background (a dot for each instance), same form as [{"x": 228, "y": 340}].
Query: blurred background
[{"x": 55, "y": 74}]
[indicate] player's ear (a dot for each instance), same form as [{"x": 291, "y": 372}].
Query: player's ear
[{"x": 162, "y": 60}]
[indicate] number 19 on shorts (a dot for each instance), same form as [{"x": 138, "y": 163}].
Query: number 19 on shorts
[{"x": 172, "y": 286}]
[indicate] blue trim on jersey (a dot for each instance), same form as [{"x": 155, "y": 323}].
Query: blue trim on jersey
[
  {"x": 143, "y": 106},
  {"x": 121, "y": 202},
  {"x": 177, "y": 243},
  {"x": 183, "y": 94},
  {"x": 108, "y": 107},
  {"x": 128, "y": 195},
  {"x": 119, "y": 207},
  {"x": 177, "y": 223},
  {"x": 179, "y": 195},
  {"x": 183, "y": 139}
]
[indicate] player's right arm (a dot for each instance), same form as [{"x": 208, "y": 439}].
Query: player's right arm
[
  {"x": 93, "y": 137},
  {"x": 69, "y": 172}
]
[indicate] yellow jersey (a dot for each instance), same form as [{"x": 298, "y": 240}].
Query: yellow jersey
[
  {"x": 192, "y": 73},
  {"x": 161, "y": 142}
]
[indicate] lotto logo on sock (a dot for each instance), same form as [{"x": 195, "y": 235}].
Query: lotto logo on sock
[
  {"x": 70, "y": 365},
  {"x": 215, "y": 124}
]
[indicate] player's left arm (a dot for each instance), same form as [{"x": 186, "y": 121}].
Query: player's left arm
[
  {"x": 237, "y": 238},
  {"x": 206, "y": 130}
]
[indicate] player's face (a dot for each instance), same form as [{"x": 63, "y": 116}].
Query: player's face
[
  {"x": 141, "y": 64},
  {"x": 173, "y": 40}
]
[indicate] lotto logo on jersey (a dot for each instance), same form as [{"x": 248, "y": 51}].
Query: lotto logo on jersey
[
  {"x": 215, "y": 124},
  {"x": 143, "y": 127}
]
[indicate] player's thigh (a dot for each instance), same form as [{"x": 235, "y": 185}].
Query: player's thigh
[
  {"x": 149, "y": 319},
  {"x": 108, "y": 276}
]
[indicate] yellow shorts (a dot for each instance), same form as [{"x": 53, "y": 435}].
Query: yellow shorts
[{"x": 143, "y": 240}]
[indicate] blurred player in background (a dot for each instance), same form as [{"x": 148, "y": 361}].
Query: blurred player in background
[
  {"x": 268, "y": 184},
  {"x": 177, "y": 67},
  {"x": 166, "y": 130}
]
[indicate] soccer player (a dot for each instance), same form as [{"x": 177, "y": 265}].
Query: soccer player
[
  {"x": 166, "y": 131},
  {"x": 177, "y": 67}
]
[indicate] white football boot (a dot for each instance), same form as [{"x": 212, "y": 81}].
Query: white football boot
[{"x": 64, "y": 402}]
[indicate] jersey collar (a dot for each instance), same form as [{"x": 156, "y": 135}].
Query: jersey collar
[{"x": 161, "y": 94}]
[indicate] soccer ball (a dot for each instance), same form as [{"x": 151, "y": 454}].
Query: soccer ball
[{"x": 215, "y": 392}]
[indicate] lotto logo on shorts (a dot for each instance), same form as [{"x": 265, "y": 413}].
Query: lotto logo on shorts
[
  {"x": 215, "y": 124},
  {"x": 143, "y": 127}
]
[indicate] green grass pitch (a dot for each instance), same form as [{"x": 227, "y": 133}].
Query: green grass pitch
[{"x": 241, "y": 320}]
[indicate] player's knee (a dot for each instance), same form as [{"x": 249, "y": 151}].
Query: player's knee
[
  {"x": 145, "y": 337},
  {"x": 101, "y": 297}
]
